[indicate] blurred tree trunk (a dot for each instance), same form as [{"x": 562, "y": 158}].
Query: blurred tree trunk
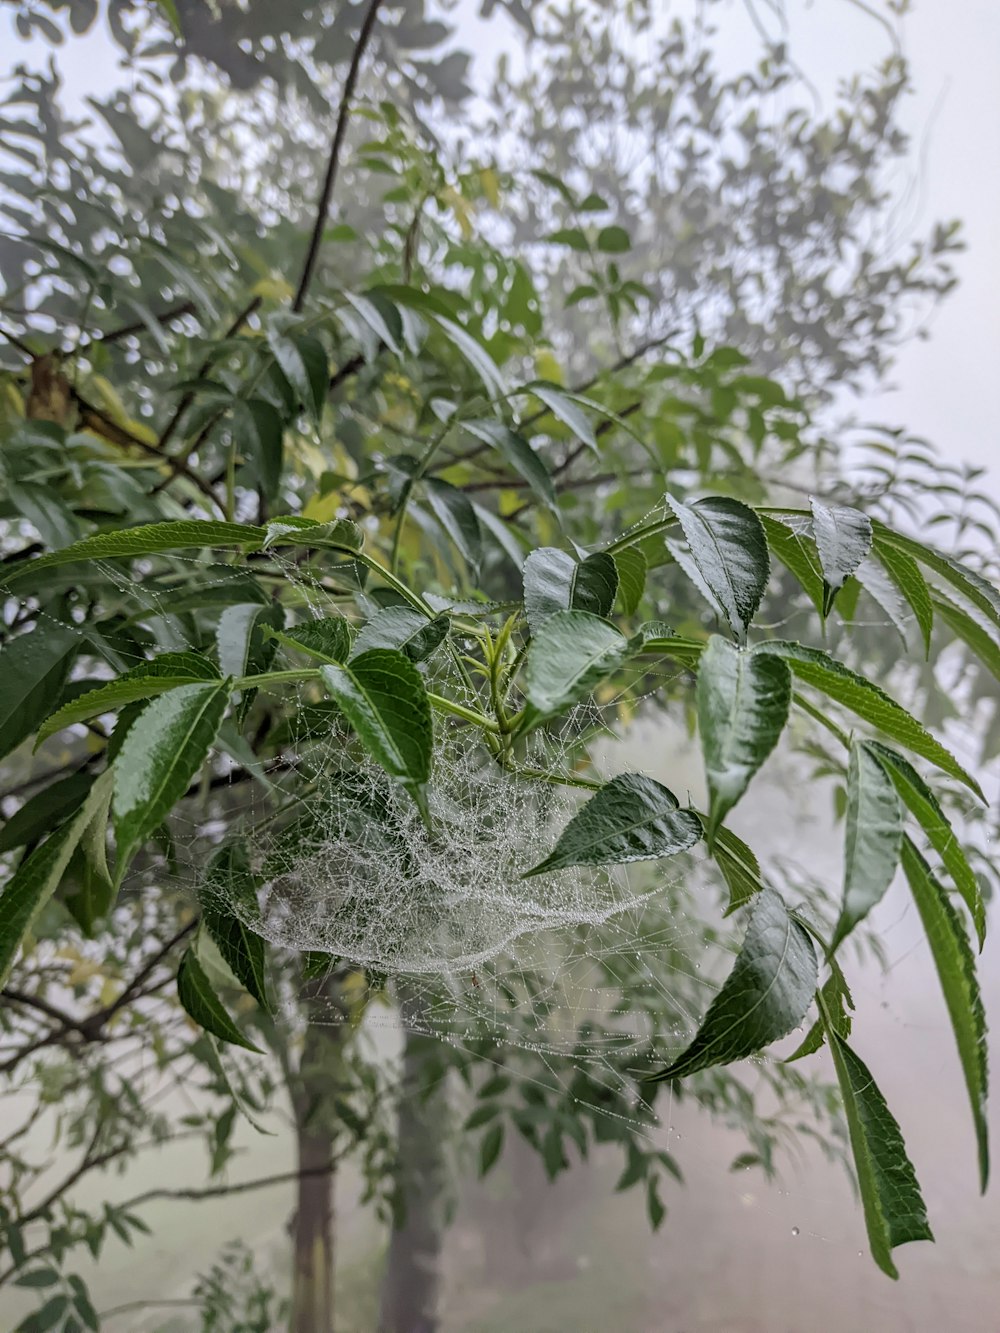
[
  {"x": 411, "y": 1287},
  {"x": 313, "y": 1089}
]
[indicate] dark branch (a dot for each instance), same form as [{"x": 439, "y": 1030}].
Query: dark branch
[
  {"x": 333, "y": 162},
  {"x": 164, "y": 317}
]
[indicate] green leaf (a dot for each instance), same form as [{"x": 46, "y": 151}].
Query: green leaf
[
  {"x": 382, "y": 695},
  {"x": 39, "y": 874},
  {"x": 375, "y": 316},
  {"x": 404, "y": 628},
  {"x": 613, "y": 240},
  {"x": 868, "y": 701},
  {"x": 726, "y": 556},
  {"x": 797, "y": 552},
  {"x": 873, "y": 834},
  {"x": 301, "y": 358},
  {"x": 843, "y": 539},
  {"x": 554, "y": 581},
  {"x": 631, "y": 818},
  {"x": 655, "y": 1209},
  {"x": 144, "y": 681},
  {"x": 490, "y": 1147},
  {"x": 518, "y": 454},
  {"x": 836, "y": 996},
  {"x": 148, "y": 539},
  {"x": 200, "y": 1002},
  {"x": 169, "y": 8},
  {"x": 956, "y": 969},
  {"x": 161, "y": 754},
  {"x": 764, "y": 997},
  {"x": 569, "y": 654},
  {"x": 743, "y": 700},
  {"x": 979, "y": 639},
  {"x": 234, "y": 636},
  {"x": 265, "y": 428},
  {"x": 740, "y": 868},
  {"x": 632, "y": 568},
  {"x": 967, "y": 582},
  {"x": 474, "y": 352},
  {"x": 453, "y": 510},
  {"x": 564, "y": 409},
  {"x": 45, "y": 811},
  {"x": 924, "y": 806},
  {"x": 328, "y": 638},
  {"x": 905, "y": 573},
  {"x": 893, "y": 1207},
  {"x": 35, "y": 666},
  {"x": 228, "y": 880}
]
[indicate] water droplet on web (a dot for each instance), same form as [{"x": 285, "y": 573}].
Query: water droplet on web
[{"x": 795, "y": 1231}]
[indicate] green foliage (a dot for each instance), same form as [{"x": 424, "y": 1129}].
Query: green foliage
[
  {"x": 764, "y": 997},
  {"x": 631, "y": 818}
]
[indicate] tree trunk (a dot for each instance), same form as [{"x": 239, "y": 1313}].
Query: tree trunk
[
  {"x": 313, "y": 1089},
  {"x": 312, "y": 1276},
  {"x": 412, "y": 1284}
]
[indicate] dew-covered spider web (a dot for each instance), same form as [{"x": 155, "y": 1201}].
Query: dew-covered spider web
[{"x": 604, "y": 970}]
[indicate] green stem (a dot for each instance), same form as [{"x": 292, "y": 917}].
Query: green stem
[
  {"x": 423, "y": 463},
  {"x": 640, "y": 534},
  {"x": 459, "y": 710}
]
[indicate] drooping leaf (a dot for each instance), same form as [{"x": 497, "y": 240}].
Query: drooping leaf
[
  {"x": 45, "y": 811},
  {"x": 266, "y": 432},
  {"x": 975, "y": 635},
  {"x": 554, "y": 581},
  {"x": 740, "y": 868},
  {"x": 144, "y": 681},
  {"x": 843, "y": 539},
  {"x": 382, "y": 695},
  {"x": 956, "y": 968},
  {"x": 234, "y": 636},
  {"x": 38, "y": 876},
  {"x": 455, "y": 513},
  {"x": 905, "y": 574},
  {"x": 873, "y": 834},
  {"x": 631, "y": 818},
  {"x": 518, "y": 454},
  {"x": 743, "y": 700},
  {"x": 405, "y": 628},
  {"x": 797, "y": 552},
  {"x": 839, "y": 1005},
  {"x": 327, "y": 638},
  {"x": 571, "y": 652},
  {"x": 924, "y": 806},
  {"x": 200, "y": 1002},
  {"x": 160, "y": 755},
  {"x": 564, "y": 409},
  {"x": 33, "y": 668},
  {"x": 872, "y": 577},
  {"x": 632, "y": 569},
  {"x": 228, "y": 882},
  {"x": 966, "y": 581},
  {"x": 764, "y": 997},
  {"x": 302, "y": 360},
  {"x": 890, "y": 1196},
  {"x": 871, "y": 703},
  {"x": 726, "y": 556}
]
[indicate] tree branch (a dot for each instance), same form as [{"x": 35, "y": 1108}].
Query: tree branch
[
  {"x": 164, "y": 317},
  {"x": 333, "y": 162}
]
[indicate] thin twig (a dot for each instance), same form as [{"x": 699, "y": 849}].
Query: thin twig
[
  {"x": 139, "y": 326},
  {"x": 333, "y": 162}
]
